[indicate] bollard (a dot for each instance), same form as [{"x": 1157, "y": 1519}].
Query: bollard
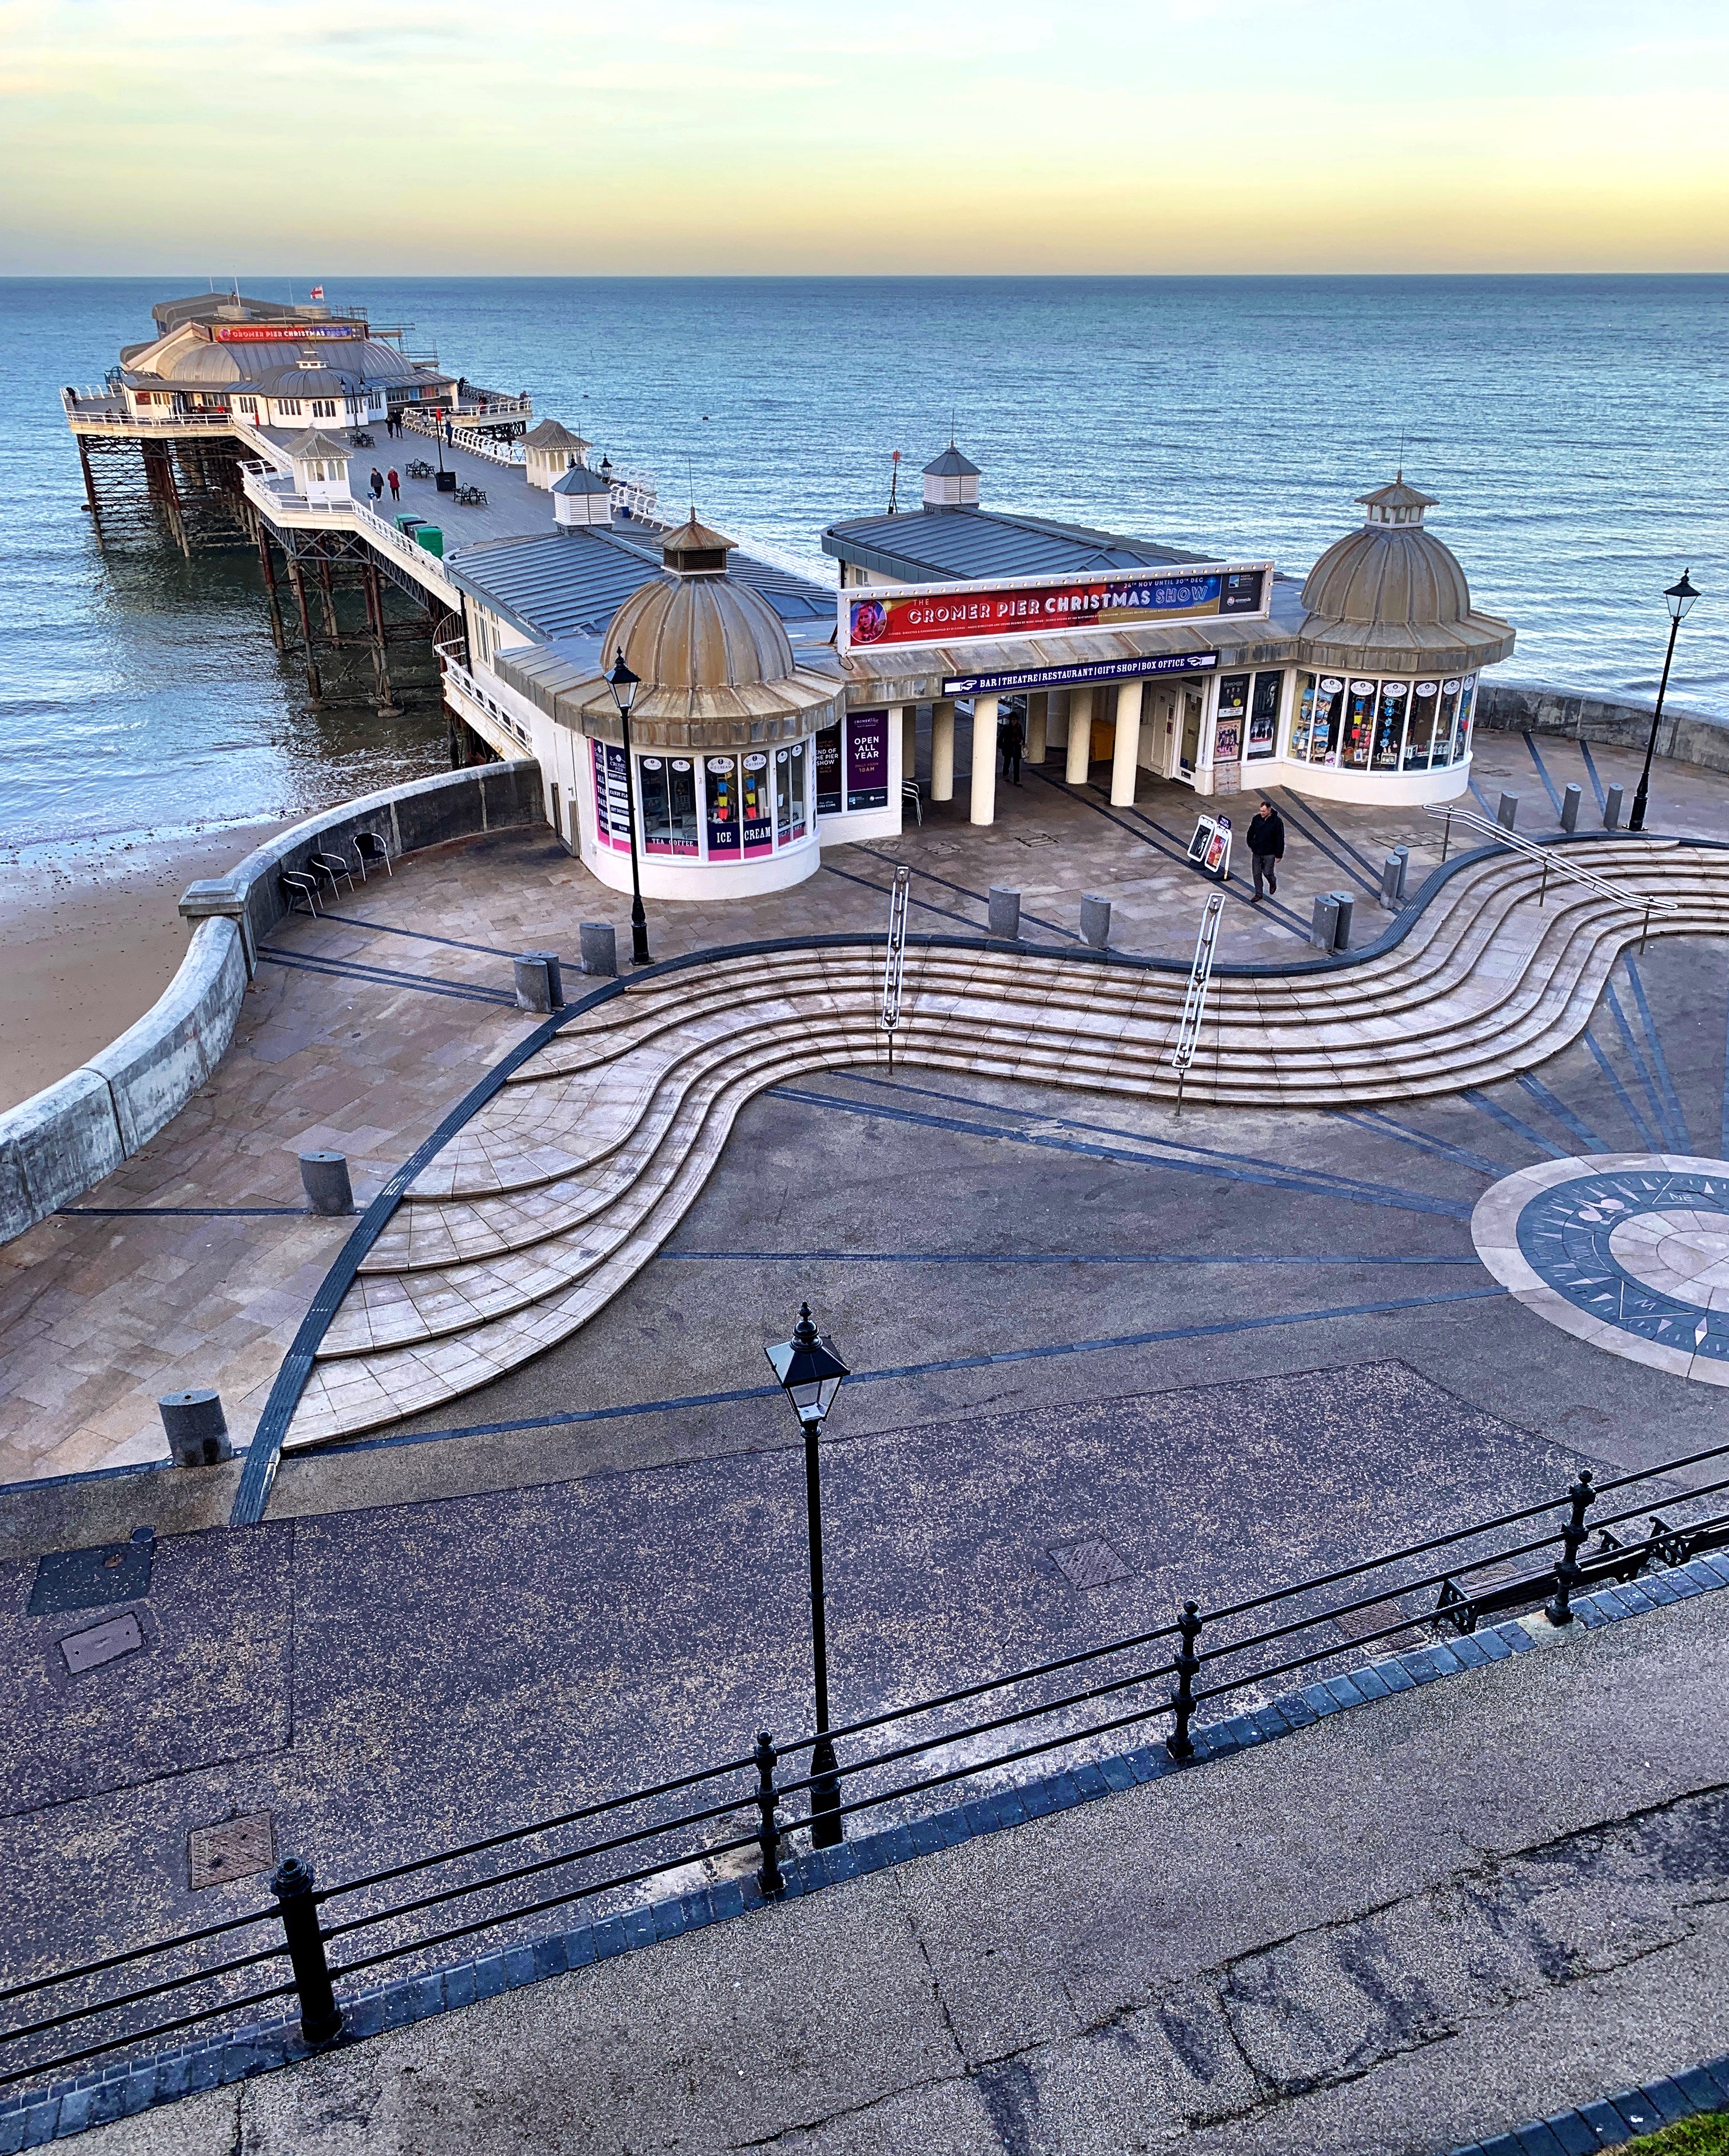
[
  {"x": 1508, "y": 813},
  {"x": 1403, "y": 855},
  {"x": 196, "y": 1427},
  {"x": 1347, "y": 908},
  {"x": 600, "y": 947},
  {"x": 1003, "y": 909},
  {"x": 534, "y": 989},
  {"x": 769, "y": 1832},
  {"x": 1096, "y": 921},
  {"x": 555, "y": 976},
  {"x": 320, "y": 2017},
  {"x": 1178, "y": 1744},
  {"x": 1324, "y": 921},
  {"x": 1570, "y": 809},
  {"x": 323, "y": 1176},
  {"x": 1611, "y": 809},
  {"x": 1558, "y": 1608},
  {"x": 1389, "y": 882}
]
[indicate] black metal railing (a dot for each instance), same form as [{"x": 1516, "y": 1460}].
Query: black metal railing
[{"x": 736, "y": 1816}]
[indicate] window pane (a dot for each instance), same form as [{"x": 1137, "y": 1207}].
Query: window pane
[
  {"x": 790, "y": 767},
  {"x": 1359, "y": 725},
  {"x": 1329, "y": 720},
  {"x": 1462, "y": 733},
  {"x": 1304, "y": 719},
  {"x": 1444, "y": 724},
  {"x": 756, "y": 789},
  {"x": 1419, "y": 734},
  {"x": 1390, "y": 724},
  {"x": 1263, "y": 715},
  {"x": 721, "y": 776}
]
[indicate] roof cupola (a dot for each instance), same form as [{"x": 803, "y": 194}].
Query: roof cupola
[{"x": 951, "y": 481}]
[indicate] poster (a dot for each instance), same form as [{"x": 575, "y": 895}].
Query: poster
[
  {"x": 1263, "y": 715},
  {"x": 827, "y": 757},
  {"x": 611, "y": 797},
  {"x": 756, "y": 789},
  {"x": 1018, "y": 607},
  {"x": 1228, "y": 742},
  {"x": 720, "y": 781},
  {"x": 867, "y": 760}
]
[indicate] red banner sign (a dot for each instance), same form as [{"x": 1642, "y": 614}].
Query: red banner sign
[
  {"x": 958, "y": 613},
  {"x": 283, "y": 332}
]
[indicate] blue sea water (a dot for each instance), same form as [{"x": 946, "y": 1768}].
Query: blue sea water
[{"x": 1574, "y": 428}]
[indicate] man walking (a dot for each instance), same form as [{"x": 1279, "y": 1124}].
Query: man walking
[
  {"x": 1266, "y": 847},
  {"x": 376, "y": 484},
  {"x": 1009, "y": 739}
]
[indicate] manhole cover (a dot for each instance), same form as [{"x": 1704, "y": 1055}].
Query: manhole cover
[
  {"x": 1090, "y": 1563},
  {"x": 102, "y": 1643},
  {"x": 233, "y": 1849},
  {"x": 90, "y": 1578}
]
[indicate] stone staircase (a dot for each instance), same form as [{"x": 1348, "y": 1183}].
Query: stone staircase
[{"x": 568, "y": 1181}]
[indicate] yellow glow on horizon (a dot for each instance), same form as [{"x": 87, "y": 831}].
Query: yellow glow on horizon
[{"x": 1188, "y": 136}]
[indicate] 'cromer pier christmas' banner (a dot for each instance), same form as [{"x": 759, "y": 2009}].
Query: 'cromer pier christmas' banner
[{"x": 958, "y": 613}]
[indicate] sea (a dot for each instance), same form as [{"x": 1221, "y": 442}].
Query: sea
[{"x": 1573, "y": 429}]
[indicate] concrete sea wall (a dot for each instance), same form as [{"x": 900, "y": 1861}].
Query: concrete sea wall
[
  {"x": 54, "y": 1145},
  {"x": 1688, "y": 736}
]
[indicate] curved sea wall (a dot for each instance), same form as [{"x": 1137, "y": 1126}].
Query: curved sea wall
[
  {"x": 54, "y": 1145},
  {"x": 1688, "y": 736}
]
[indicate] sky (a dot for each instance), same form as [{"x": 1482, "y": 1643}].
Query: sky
[{"x": 560, "y": 137}]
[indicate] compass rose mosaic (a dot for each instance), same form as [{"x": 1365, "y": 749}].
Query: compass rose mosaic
[{"x": 1630, "y": 1252}]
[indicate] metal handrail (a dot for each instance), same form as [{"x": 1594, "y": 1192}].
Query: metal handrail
[
  {"x": 664, "y": 1842},
  {"x": 1548, "y": 858},
  {"x": 895, "y": 960},
  {"x": 1194, "y": 1002}
]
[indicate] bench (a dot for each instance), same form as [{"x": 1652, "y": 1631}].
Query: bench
[
  {"x": 417, "y": 467},
  {"x": 472, "y": 497}
]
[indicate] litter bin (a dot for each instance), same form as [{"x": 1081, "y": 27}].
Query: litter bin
[
  {"x": 406, "y": 521},
  {"x": 446, "y": 482},
  {"x": 433, "y": 539}
]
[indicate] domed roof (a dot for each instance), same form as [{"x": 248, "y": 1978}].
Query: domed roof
[
  {"x": 1391, "y": 594},
  {"x": 684, "y": 632},
  {"x": 186, "y": 355}
]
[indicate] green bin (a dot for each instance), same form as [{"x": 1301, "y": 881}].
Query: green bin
[
  {"x": 406, "y": 521},
  {"x": 432, "y": 539}
]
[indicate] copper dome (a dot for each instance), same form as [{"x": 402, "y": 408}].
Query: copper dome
[
  {"x": 1391, "y": 594},
  {"x": 700, "y": 632}
]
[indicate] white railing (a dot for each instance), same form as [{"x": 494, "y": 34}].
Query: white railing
[
  {"x": 273, "y": 493},
  {"x": 1548, "y": 858},
  {"x": 1194, "y": 1003},
  {"x": 894, "y": 963},
  {"x": 455, "y": 672},
  {"x": 465, "y": 438}
]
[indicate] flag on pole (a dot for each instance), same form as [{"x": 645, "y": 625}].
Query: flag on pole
[{"x": 318, "y": 291}]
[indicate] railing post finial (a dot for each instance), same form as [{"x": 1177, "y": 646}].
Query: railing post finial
[
  {"x": 1558, "y": 1608},
  {"x": 1178, "y": 1744}
]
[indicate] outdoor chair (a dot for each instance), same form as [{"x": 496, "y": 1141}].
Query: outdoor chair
[
  {"x": 910, "y": 799},
  {"x": 331, "y": 866},
  {"x": 373, "y": 854},
  {"x": 301, "y": 891}
]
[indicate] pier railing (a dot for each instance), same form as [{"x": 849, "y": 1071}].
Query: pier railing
[
  {"x": 466, "y": 437},
  {"x": 1215, "y": 1681}
]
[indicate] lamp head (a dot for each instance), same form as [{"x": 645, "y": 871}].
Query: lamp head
[
  {"x": 624, "y": 685},
  {"x": 1680, "y": 598},
  {"x": 808, "y": 1369}
]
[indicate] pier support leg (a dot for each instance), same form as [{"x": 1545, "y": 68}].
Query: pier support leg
[
  {"x": 89, "y": 489},
  {"x": 279, "y": 635},
  {"x": 327, "y": 600},
  {"x": 388, "y": 706},
  {"x": 315, "y": 686}
]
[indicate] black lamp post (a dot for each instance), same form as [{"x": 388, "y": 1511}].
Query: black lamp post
[
  {"x": 810, "y": 1372},
  {"x": 624, "y": 685},
  {"x": 1679, "y": 599}
]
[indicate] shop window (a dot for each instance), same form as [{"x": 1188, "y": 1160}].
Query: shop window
[
  {"x": 757, "y": 803},
  {"x": 790, "y": 767},
  {"x": 1445, "y": 724},
  {"x": 1264, "y": 715},
  {"x": 720, "y": 781},
  {"x": 829, "y": 799},
  {"x": 1390, "y": 724},
  {"x": 1329, "y": 720},
  {"x": 1419, "y": 734},
  {"x": 667, "y": 788},
  {"x": 1358, "y": 734},
  {"x": 1232, "y": 711},
  {"x": 1462, "y": 731}
]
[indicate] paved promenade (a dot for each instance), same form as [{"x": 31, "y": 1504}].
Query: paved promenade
[
  {"x": 1415, "y": 1925},
  {"x": 195, "y": 1264}
]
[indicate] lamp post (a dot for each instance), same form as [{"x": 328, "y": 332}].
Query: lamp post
[
  {"x": 810, "y": 1372},
  {"x": 1679, "y": 599},
  {"x": 624, "y": 685}
]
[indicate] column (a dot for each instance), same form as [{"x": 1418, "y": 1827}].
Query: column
[
  {"x": 1126, "y": 753},
  {"x": 1080, "y": 736},
  {"x": 1038, "y": 717},
  {"x": 908, "y": 739},
  {"x": 984, "y": 759},
  {"x": 942, "y": 752},
  {"x": 1056, "y": 722}
]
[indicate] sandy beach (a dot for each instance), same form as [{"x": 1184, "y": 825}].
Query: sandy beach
[{"x": 89, "y": 937}]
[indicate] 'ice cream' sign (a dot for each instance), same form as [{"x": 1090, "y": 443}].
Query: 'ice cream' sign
[{"x": 959, "y": 613}]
